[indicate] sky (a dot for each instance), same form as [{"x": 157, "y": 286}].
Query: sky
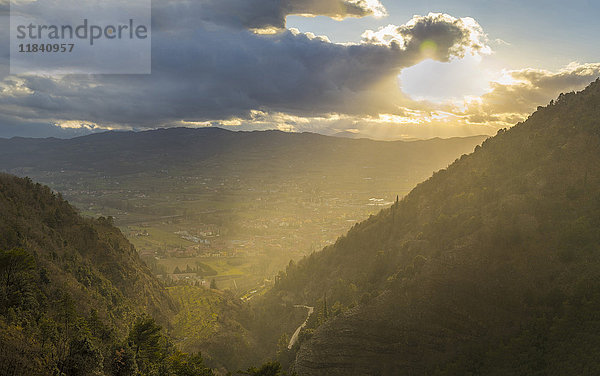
[{"x": 378, "y": 69}]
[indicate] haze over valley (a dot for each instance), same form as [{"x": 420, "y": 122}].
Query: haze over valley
[
  {"x": 299, "y": 188},
  {"x": 239, "y": 205}
]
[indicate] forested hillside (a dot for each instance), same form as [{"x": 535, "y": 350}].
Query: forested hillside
[
  {"x": 74, "y": 297},
  {"x": 492, "y": 266}
]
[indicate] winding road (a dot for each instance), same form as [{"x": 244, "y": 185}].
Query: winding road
[{"x": 297, "y": 332}]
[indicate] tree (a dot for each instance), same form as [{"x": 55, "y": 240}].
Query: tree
[
  {"x": 282, "y": 344},
  {"x": 284, "y": 355},
  {"x": 182, "y": 364},
  {"x": 123, "y": 362},
  {"x": 67, "y": 317},
  {"x": 267, "y": 369},
  {"x": 145, "y": 338},
  {"x": 13, "y": 262},
  {"x": 213, "y": 284},
  {"x": 84, "y": 358}
]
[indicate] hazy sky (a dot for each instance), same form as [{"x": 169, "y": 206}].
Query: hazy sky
[{"x": 388, "y": 69}]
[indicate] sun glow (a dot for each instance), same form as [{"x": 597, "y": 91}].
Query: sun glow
[{"x": 446, "y": 82}]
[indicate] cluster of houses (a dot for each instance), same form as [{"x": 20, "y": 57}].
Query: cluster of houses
[
  {"x": 186, "y": 252},
  {"x": 188, "y": 278}
]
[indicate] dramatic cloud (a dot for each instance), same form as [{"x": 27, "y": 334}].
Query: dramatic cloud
[
  {"x": 222, "y": 72},
  {"x": 256, "y": 14},
  {"x": 438, "y": 36},
  {"x": 233, "y": 63},
  {"x": 524, "y": 90},
  {"x": 509, "y": 100}
]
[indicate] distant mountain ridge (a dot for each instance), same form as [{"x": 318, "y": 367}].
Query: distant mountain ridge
[
  {"x": 358, "y": 135},
  {"x": 134, "y": 152},
  {"x": 489, "y": 267}
]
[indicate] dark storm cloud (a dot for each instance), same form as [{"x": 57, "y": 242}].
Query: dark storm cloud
[
  {"x": 211, "y": 66},
  {"x": 256, "y": 14}
]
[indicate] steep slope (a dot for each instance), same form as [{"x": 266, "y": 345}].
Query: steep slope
[
  {"x": 65, "y": 279},
  {"x": 492, "y": 266}
]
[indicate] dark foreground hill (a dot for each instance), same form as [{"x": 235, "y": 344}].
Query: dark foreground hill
[
  {"x": 490, "y": 267},
  {"x": 75, "y": 299}
]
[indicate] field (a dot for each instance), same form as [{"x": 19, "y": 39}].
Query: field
[{"x": 198, "y": 315}]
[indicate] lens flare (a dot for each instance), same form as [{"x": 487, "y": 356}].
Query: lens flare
[{"x": 428, "y": 47}]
